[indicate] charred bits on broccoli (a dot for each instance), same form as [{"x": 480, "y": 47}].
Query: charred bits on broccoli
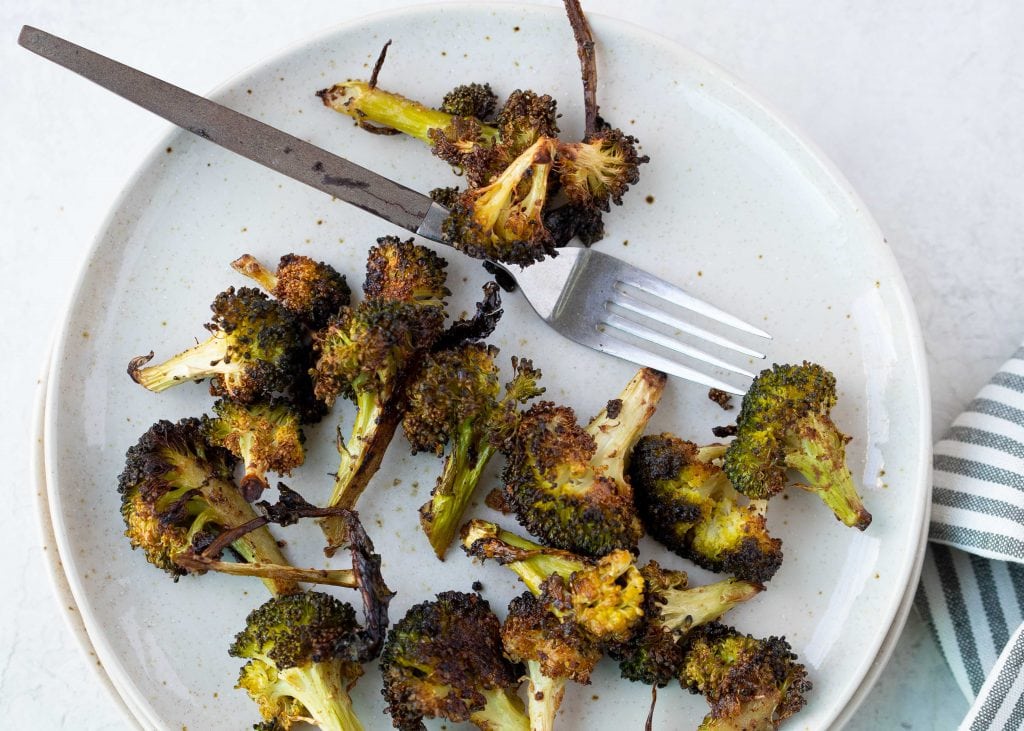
[
  {"x": 784, "y": 424},
  {"x": 687, "y": 503},
  {"x": 603, "y": 596},
  {"x": 178, "y": 494},
  {"x": 455, "y": 400},
  {"x": 295, "y": 671},
  {"x": 312, "y": 290},
  {"x": 553, "y": 652},
  {"x": 750, "y": 683},
  {"x": 266, "y": 436},
  {"x": 655, "y": 655},
  {"x": 444, "y": 659},
  {"x": 567, "y": 485},
  {"x": 255, "y": 350},
  {"x": 366, "y": 351}
]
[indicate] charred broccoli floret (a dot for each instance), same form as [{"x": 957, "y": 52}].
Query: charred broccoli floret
[
  {"x": 750, "y": 683},
  {"x": 266, "y": 436},
  {"x": 687, "y": 503},
  {"x": 784, "y": 424},
  {"x": 600, "y": 168},
  {"x": 295, "y": 671},
  {"x": 255, "y": 350},
  {"x": 603, "y": 596},
  {"x": 471, "y": 100},
  {"x": 455, "y": 400},
  {"x": 444, "y": 659},
  {"x": 311, "y": 289},
  {"x": 655, "y": 655},
  {"x": 566, "y": 484},
  {"x": 177, "y": 494},
  {"x": 553, "y": 652},
  {"x": 366, "y": 351}
]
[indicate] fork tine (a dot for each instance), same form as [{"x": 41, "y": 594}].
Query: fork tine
[
  {"x": 611, "y": 345},
  {"x": 657, "y": 314},
  {"x": 666, "y": 341},
  {"x": 651, "y": 284}
]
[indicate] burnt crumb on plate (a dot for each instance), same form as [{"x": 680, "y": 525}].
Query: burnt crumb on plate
[
  {"x": 724, "y": 431},
  {"x": 721, "y": 398}
]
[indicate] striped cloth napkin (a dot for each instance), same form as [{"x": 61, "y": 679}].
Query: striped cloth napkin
[{"x": 972, "y": 584}]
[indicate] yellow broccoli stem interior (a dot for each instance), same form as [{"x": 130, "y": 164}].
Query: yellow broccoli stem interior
[
  {"x": 206, "y": 359},
  {"x": 818, "y": 452},
  {"x": 250, "y": 266},
  {"x": 543, "y": 698},
  {"x": 615, "y": 436},
  {"x": 322, "y": 689},
  {"x": 699, "y": 605},
  {"x": 502, "y": 712}
]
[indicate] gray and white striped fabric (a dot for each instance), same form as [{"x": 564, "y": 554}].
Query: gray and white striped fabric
[{"x": 972, "y": 584}]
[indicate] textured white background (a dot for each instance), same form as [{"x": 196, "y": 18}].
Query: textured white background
[{"x": 919, "y": 103}]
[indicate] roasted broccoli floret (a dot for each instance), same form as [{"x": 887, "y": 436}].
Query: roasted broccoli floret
[
  {"x": 471, "y": 100},
  {"x": 255, "y": 350},
  {"x": 266, "y": 436},
  {"x": 177, "y": 494},
  {"x": 553, "y": 652},
  {"x": 603, "y": 596},
  {"x": 600, "y": 168},
  {"x": 655, "y": 655},
  {"x": 295, "y": 670},
  {"x": 444, "y": 659},
  {"x": 366, "y": 351},
  {"x": 750, "y": 683},
  {"x": 567, "y": 484},
  {"x": 311, "y": 289},
  {"x": 784, "y": 424},
  {"x": 687, "y": 503},
  {"x": 455, "y": 400}
]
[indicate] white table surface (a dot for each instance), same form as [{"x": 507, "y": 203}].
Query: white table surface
[{"x": 920, "y": 103}]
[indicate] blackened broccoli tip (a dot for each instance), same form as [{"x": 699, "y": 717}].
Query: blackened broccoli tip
[
  {"x": 524, "y": 118},
  {"x": 687, "y": 503},
  {"x": 503, "y": 219},
  {"x": 403, "y": 271},
  {"x": 177, "y": 494},
  {"x": 470, "y": 100},
  {"x": 599, "y": 169},
  {"x": 554, "y": 652},
  {"x": 444, "y": 659},
  {"x": 748, "y": 682},
  {"x": 294, "y": 672},
  {"x": 785, "y": 423},
  {"x": 266, "y": 436},
  {"x": 255, "y": 349},
  {"x": 567, "y": 484}
]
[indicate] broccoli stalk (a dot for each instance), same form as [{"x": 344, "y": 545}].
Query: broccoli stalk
[
  {"x": 255, "y": 349},
  {"x": 295, "y": 671},
  {"x": 455, "y": 400},
  {"x": 177, "y": 494},
  {"x": 784, "y": 424},
  {"x": 567, "y": 484}
]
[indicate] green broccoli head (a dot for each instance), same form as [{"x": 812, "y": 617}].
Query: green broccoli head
[
  {"x": 255, "y": 350},
  {"x": 566, "y": 484},
  {"x": 553, "y": 652},
  {"x": 402, "y": 271},
  {"x": 749, "y": 682},
  {"x": 312, "y": 290},
  {"x": 687, "y": 503},
  {"x": 294, "y": 670},
  {"x": 444, "y": 659},
  {"x": 266, "y": 436},
  {"x": 470, "y": 100},
  {"x": 177, "y": 493},
  {"x": 524, "y": 118},
  {"x": 784, "y": 423},
  {"x": 599, "y": 169}
]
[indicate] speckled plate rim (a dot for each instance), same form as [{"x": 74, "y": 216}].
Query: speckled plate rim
[
  {"x": 50, "y": 552},
  {"x": 895, "y": 611}
]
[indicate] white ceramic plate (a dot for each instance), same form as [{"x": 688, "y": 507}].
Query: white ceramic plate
[{"x": 734, "y": 206}]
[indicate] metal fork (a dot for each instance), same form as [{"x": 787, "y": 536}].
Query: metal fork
[{"x": 589, "y": 297}]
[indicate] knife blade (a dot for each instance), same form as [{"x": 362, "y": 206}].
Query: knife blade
[{"x": 246, "y": 136}]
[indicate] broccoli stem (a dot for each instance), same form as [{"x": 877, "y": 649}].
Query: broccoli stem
[
  {"x": 819, "y": 455},
  {"x": 322, "y": 688},
  {"x": 615, "y": 435},
  {"x": 501, "y": 712},
  {"x": 533, "y": 568},
  {"x": 545, "y": 696},
  {"x": 363, "y": 102},
  {"x": 249, "y": 266},
  {"x": 260, "y": 547},
  {"x": 686, "y": 608},
  {"x": 330, "y": 577},
  {"x": 441, "y": 516},
  {"x": 208, "y": 358}
]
